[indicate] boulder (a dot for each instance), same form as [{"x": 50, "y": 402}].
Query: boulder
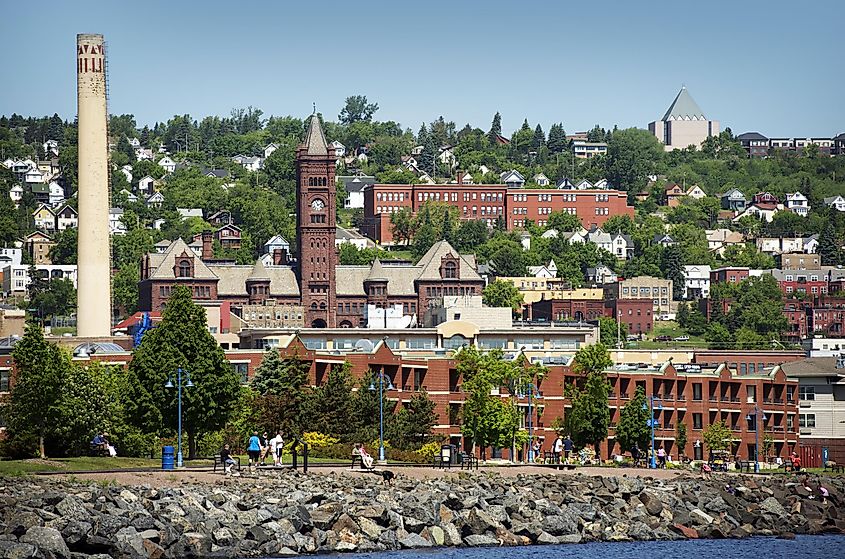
[
  {"x": 414, "y": 541},
  {"x": 698, "y": 516},
  {"x": 652, "y": 502},
  {"x": 48, "y": 541},
  {"x": 772, "y": 506},
  {"x": 481, "y": 540},
  {"x": 560, "y": 525}
]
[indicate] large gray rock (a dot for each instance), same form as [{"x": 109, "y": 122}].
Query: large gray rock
[
  {"x": 652, "y": 502},
  {"x": 72, "y": 508},
  {"x": 48, "y": 541},
  {"x": 16, "y": 550},
  {"x": 772, "y": 506},
  {"x": 413, "y": 541},
  {"x": 480, "y": 540},
  {"x": 560, "y": 525},
  {"x": 698, "y": 516}
]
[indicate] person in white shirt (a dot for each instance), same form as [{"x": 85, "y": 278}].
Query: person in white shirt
[{"x": 276, "y": 445}]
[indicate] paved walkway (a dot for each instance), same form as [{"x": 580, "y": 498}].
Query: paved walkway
[{"x": 188, "y": 476}]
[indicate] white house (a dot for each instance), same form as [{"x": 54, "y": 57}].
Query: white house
[
  {"x": 34, "y": 176},
  {"x": 10, "y": 257},
  {"x": 446, "y": 157},
  {"x": 116, "y": 226},
  {"x": 547, "y": 271},
  {"x": 513, "y": 179},
  {"x": 67, "y": 218},
  {"x": 16, "y": 278},
  {"x": 155, "y": 200},
  {"x": 276, "y": 242},
  {"x": 601, "y": 275},
  {"x": 835, "y": 202},
  {"x": 129, "y": 196},
  {"x": 44, "y": 218},
  {"x": 167, "y": 164},
  {"x": 250, "y": 163},
  {"x": 339, "y": 149},
  {"x": 763, "y": 213},
  {"x": 189, "y": 212},
  {"x": 540, "y": 179},
  {"x": 696, "y": 282},
  {"x": 16, "y": 193},
  {"x": 811, "y": 244},
  {"x": 145, "y": 185},
  {"x": 144, "y": 154},
  {"x": 50, "y": 148},
  {"x": 780, "y": 245},
  {"x": 720, "y": 239},
  {"x": 346, "y": 236},
  {"x": 696, "y": 192},
  {"x": 797, "y": 203},
  {"x": 127, "y": 172},
  {"x": 269, "y": 149},
  {"x": 134, "y": 142},
  {"x": 57, "y": 193}
]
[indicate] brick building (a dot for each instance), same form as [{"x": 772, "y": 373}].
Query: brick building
[
  {"x": 489, "y": 203},
  {"x": 657, "y": 290}
]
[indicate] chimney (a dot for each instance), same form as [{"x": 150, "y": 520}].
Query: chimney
[
  {"x": 94, "y": 291},
  {"x": 460, "y": 176},
  {"x": 280, "y": 257},
  {"x": 207, "y": 248}
]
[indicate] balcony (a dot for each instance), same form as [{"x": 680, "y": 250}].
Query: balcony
[
  {"x": 681, "y": 398},
  {"x": 779, "y": 400}
]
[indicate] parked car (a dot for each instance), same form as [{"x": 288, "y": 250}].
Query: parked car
[
  {"x": 663, "y": 338},
  {"x": 681, "y": 338}
]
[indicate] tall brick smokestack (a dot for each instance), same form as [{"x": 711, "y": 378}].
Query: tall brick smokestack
[{"x": 94, "y": 269}]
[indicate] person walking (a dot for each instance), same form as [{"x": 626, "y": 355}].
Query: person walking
[
  {"x": 557, "y": 449},
  {"x": 568, "y": 445},
  {"x": 661, "y": 458},
  {"x": 276, "y": 444},
  {"x": 635, "y": 454},
  {"x": 265, "y": 446},
  {"x": 254, "y": 450}
]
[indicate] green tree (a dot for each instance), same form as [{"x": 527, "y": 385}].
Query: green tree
[
  {"x": 590, "y": 415},
  {"x": 717, "y": 436},
  {"x": 124, "y": 286},
  {"x": 611, "y": 331},
  {"x": 58, "y": 299},
  {"x": 673, "y": 266},
  {"x": 401, "y": 223},
  {"x": 495, "y": 129},
  {"x": 509, "y": 260},
  {"x": 357, "y": 109},
  {"x": 366, "y": 409},
  {"x": 333, "y": 403},
  {"x": 632, "y": 155},
  {"x": 633, "y": 423},
  {"x": 830, "y": 249},
  {"x": 502, "y": 294},
  {"x": 681, "y": 438},
  {"x": 718, "y": 336},
  {"x": 182, "y": 340},
  {"x": 284, "y": 399},
  {"x": 65, "y": 249},
  {"x": 683, "y": 315},
  {"x": 414, "y": 422},
  {"x": 35, "y": 407},
  {"x": 563, "y": 221}
]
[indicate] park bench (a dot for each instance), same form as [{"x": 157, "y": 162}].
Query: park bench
[
  {"x": 219, "y": 462},
  {"x": 746, "y": 466},
  {"x": 467, "y": 461},
  {"x": 356, "y": 459},
  {"x": 549, "y": 457},
  {"x": 835, "y": 468}
]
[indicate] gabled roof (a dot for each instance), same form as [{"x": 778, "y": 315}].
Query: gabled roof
[
  {"x": 684, "y": 108},
  {"x": 276, "y": 240},
  {"x": 376, "y": 272},
  {"x": 512, "y": 176},
  {"x": 732, "y": 192},
  {"x": 751, "y": 136},
  {"x": 167, "y": 260},
  {"x": 430, "y": 262},
  {"x": 315, "y": 140},
  {"x": 259, "y": 272}
]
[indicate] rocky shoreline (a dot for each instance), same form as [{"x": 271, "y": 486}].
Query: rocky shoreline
[{"x": 290, "y": 514}]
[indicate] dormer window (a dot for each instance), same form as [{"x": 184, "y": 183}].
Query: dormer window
[
  {"x": 450, "y": 270},
  {"x": 184, "y": 266}
]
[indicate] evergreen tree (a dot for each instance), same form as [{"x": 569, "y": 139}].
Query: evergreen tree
[
  {"x": 282, "y": 386},
  {"x": 35, "y": 410},
  {"x": 683, "y": 315},
  {"x": 447, "y": 231},
  {"x": 182, "y": 340},
  {"x": 557, "y": 139},
  {"x": 495, "y": 129},
  {"x": 415, "y": 421},
  {"x": 633, "y": 423},
  {"x": 425, "y": 235},
  {"x": 673, "y": 265},
  {"x": 124, "y": 147},
  {"x": 539, "y": 138},
  {"x": 333, "y": 403},
  {"x": 829, "y": 246},
  {"x": 365, "y": 409}
]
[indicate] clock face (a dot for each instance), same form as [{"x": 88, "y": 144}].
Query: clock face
[{"x": 317, "y": 205}]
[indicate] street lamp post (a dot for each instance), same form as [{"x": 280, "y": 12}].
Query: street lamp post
[
  {"x": 756, "y": 416},
  {"x": 188, "y": 384},
  {"x": 532, "y": 391},
  {"x": 652, "y": 399},
  {"x": 382, "y": 380}
]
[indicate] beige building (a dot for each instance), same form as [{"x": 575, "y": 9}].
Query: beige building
[
  {"x": 684, "y": 124},
  {"x": 645, "y": 287},
  {"x": 541, "y": 289},
  {"x": 468, "y": 308}
]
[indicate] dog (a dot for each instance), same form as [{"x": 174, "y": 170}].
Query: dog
[{"x": 388, "y": 476}]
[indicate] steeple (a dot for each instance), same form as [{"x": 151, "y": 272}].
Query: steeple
[
  {"x": 684, "y": 108},
  {"x": 376, "y": 272},
  {"x": 259, "y": 272},
  {"x": 315, "y": 140}
]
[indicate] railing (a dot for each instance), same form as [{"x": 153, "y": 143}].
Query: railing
[
  {"x": 681, "y": 398},
  {"x": 778, "y": 400},
  {"x": 734, "y": 400}
]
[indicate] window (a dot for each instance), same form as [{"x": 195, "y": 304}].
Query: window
[
  {"x": 696, "y": 391},
  {"x": 455, "y": 342},
  {"x": 806, "y": 392},
  {"x": 806, "y": 420},
  {"x": 242, "y": 370},
  {"x": 184, "y": 268},
  {"x": 696, "y": 420},
  {"x": 450, "y": 270},
  {"x": 4, "y": 380},
  {"x": 421, "y": 343},
  {"x": 493, "y": 343}
]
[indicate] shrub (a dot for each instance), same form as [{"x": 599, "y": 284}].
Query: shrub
[{"x": 429, "y": 450}]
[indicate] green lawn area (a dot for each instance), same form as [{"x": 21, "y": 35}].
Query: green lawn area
[
  {"x": 81, "y": 463},
  {"x": 668, "y": 328}
]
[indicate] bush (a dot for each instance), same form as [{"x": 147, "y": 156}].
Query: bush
[
  {"x": 209, "y": 444},
  {"x": 429, "y": 450}
]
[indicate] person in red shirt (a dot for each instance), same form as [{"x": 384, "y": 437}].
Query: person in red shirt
[{"x": 796, "y": 462}]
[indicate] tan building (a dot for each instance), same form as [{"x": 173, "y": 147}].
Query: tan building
[
  {"x": 539, "y": 289},
  {"x": 684, "y": 124},
  {"x": 644, "y": 287},
  {"x": 800, "y": 261},
  {"x": 38, "y": 245},
  {"x": 467, "y": 308}
]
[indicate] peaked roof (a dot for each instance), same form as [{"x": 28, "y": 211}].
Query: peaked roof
[
  {"x": 376, "y": 272},
  {"x": 684, "y": 108},
  {"x": 430, "y": 262},
  {"x": 315, "y": 140},
  {"x": 165, "y": 262},
  {"x": 259, "y": 272}
]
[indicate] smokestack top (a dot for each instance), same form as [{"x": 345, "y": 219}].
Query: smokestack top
[{"x": 89, "y": 37}]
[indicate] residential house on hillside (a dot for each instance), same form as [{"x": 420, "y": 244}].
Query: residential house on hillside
[
  {"x": 673, "y": 193},
  {"x": 763, "y": 206},
  {"x": 269, "y": 149},
  {"x": 339, "y": 149},
  {"x": 229, "y": 237},
  {"x": 220, "y": 218},
  {"x": 37, "y": 245},
  {"x": 44, "y": 218},
  {"x": 540, "y": 179},
  {"x": 696, "y": 282},
  {"x": 547, "y": 271},
  {"x": 780, "y": 245},
  {"x": 131, "y": 198},
  {"x": 797, "y": 203},
  {"x": 188, "y": 213},
  {"x": 835, "y": 202},
  {"x": 351, "y": 237},
  {"x": 167, "y": 164},
  {"x": 116, "y": 226},
  {"x": 275, "y": 251},
  {"x": 720, "y": 239},
  {"x": 734, "y": 200},
  {"x": 67, "y": 218},
  {"x": 754, "y": 143},
  {"x": 41, "y": 192},
  {"x": 587, "y": 150},
  {"x": 601, "y": 275},
  {"x": 664, "y": 240},
  {"x": 354, "y": 186},
  {"x": 513, "y": 179},
  {"x": 144, "y": 154},
  {"x": 56, "y": 193},
  {"x": 249, "y": 162},
  {"x": 16, "y": 194},
  {"x": 145, "y": 185},
  {"x": 696, "y": 192},
  {"x": 155, "y": 200}
]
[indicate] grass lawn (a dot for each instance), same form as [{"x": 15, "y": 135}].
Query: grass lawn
[
  {"x": 668, "y": 328},
  {"x": 80, "y": 463}
]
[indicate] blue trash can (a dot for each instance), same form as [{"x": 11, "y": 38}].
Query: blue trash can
[{"x": 167, "y": 454}]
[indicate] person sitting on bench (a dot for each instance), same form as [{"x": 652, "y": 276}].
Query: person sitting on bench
[
  {"x": 100, "y": 444},
  {"x": 226, "y": 459},
  {"x": 366, "y": 459}
]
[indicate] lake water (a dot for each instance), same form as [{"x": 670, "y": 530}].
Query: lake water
[{"x": 802, "y": 547}]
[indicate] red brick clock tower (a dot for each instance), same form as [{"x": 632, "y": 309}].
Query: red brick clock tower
[{"x": 315, "y": 225}]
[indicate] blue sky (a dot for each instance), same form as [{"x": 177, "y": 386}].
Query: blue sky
[{"x": 770, "y": 66}]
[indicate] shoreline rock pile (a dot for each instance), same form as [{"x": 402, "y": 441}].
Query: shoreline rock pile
[{"x": 290, "y": 514}]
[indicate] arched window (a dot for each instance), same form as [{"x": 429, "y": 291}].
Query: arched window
[
  {"x": 450, "y": 270},
  {"x": 322, "y": 306},
  {"x": 184, "y": 270},
  {"x": 313, "y": 306}
]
